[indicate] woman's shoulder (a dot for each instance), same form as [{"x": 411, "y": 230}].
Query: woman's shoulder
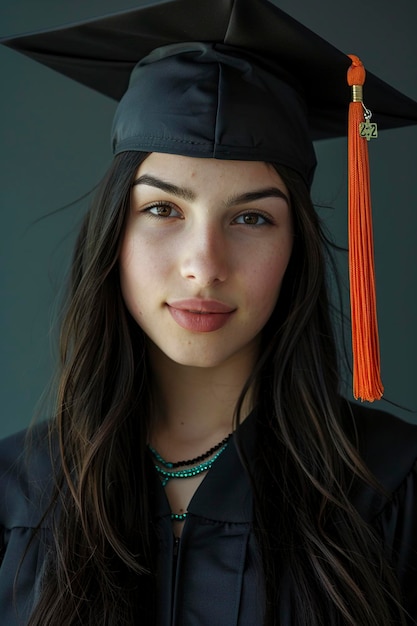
[
  {"x": 388, "y": 446},
  {"x": 26, "y": 477},
  {"x": 387, "y": 443}
]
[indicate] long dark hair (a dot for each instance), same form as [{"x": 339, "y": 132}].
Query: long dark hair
[{"x": 102, "y": 570}]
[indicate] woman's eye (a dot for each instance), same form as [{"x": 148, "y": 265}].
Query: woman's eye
[
  {"x": 163, "y": 210},
  {"x": 252, "y": 219}
]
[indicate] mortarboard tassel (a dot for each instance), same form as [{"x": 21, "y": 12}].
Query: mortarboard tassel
[{"x": 367, "y": 383}]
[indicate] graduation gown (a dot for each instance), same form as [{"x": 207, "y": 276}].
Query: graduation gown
[{"x": 212, "y": 575}]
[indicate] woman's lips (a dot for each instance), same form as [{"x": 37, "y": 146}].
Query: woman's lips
[{"x": 202, "y": 316}]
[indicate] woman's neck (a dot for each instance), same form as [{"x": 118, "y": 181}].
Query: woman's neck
[{"x": 193, "y": 406}]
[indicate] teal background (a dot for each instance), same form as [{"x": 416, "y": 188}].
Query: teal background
[{"x": 54, "y": 137}]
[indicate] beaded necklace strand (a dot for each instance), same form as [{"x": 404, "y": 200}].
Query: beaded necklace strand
[
  {"x": 200, "y": 464},
  {"x": 197, "y": 459}
]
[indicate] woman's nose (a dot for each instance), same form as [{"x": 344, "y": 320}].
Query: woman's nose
[{"x": 205, "y": 256}]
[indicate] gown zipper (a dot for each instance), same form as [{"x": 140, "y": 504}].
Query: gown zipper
[
  {"x": 175, "y": 554},
  {"x": 174, "y": 574}
]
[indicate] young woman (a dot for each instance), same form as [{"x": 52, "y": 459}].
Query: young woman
[{"x": 201, "y": 467}]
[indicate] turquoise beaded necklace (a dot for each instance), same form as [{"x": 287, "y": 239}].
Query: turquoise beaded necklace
[
  {"x": 195, "y": 461},
  {"x": 166, "y": 475},
  {"x": 168, "y": 470}
]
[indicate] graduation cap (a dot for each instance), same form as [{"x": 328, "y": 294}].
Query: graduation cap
[{"x": 238, "y": 79}]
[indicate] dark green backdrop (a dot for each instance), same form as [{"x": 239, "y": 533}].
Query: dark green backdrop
[{"x": 54, "y": 147}]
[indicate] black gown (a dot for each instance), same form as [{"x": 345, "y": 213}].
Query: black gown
[{"x": 212, "y": 575}]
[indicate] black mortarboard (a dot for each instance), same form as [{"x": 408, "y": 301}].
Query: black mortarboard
[
  {"x": 231, "y": 79},
  {"x": 263, "y": 91}
]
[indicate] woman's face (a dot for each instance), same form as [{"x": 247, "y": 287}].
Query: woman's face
[{"x": 205, "y": 249}]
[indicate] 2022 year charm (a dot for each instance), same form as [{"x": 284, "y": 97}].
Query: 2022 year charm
[{"x": 368, "y": 129}]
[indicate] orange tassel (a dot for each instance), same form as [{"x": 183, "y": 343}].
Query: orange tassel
[{"x": 367, "y": 383}]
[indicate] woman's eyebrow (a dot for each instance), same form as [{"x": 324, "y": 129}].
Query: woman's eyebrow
[
  {"x": 252, "y": 196},
  {"x": 152, "y": 181}
]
